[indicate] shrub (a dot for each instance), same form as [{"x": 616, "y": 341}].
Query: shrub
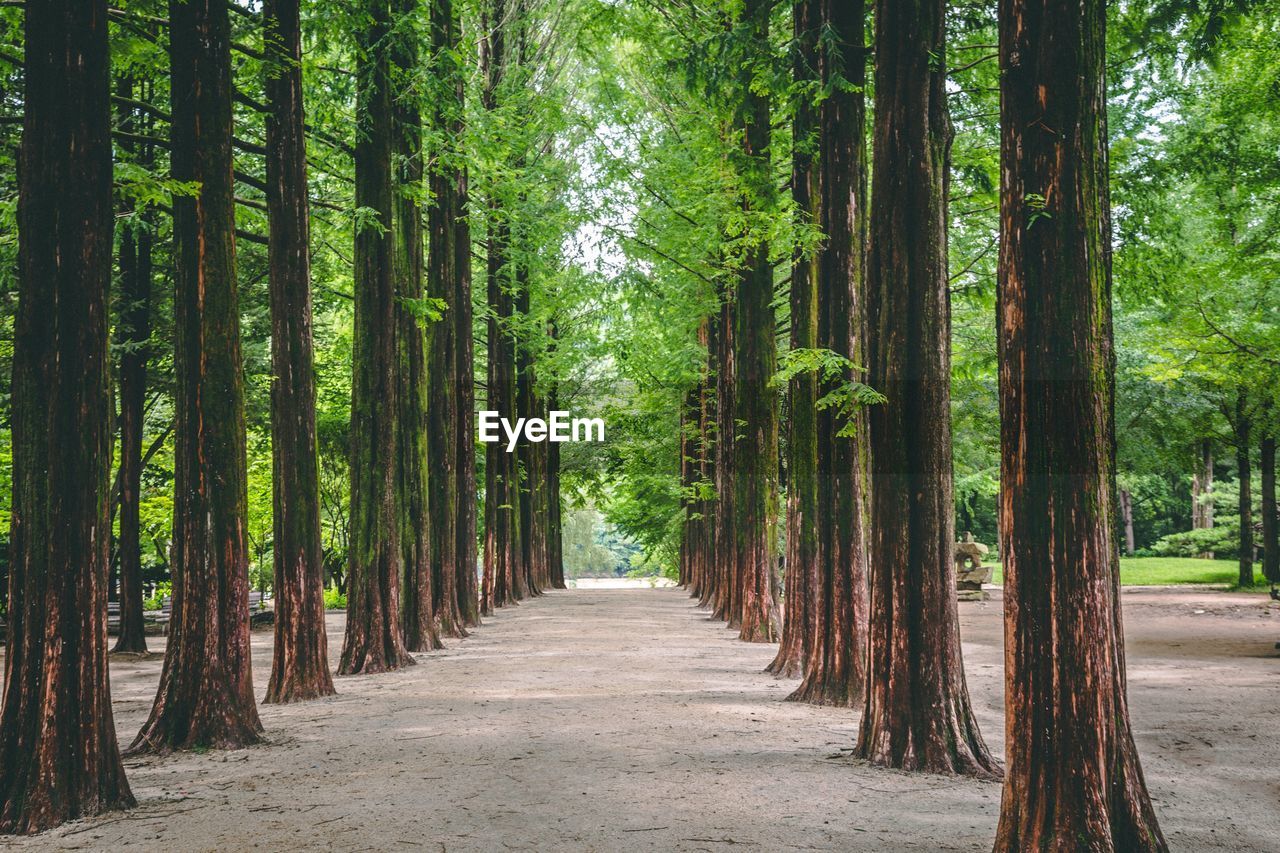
[{"x": 334, "y": 599}]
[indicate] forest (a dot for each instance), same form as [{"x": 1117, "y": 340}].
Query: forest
[{"x": 852, "y": 283}]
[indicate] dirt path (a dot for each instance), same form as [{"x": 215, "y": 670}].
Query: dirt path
[{"x": 624, "y": 720}]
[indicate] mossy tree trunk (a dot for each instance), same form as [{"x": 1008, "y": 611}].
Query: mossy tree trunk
[
  {"x": 418, "y": 618},
  {"x": 917, "y": 714},
  {"x": 206, "y": 696},
  {"x": 374, "y": 641},
  {"x": 802, "y": 437},
  {"x": 835, "y": 669},
  {"x": 1073, "y": 778},
  {"x": 59, "y": 759},
  {"x": 300, "y": 657},
  {"x": 133, "y": 334},
  {"x": 755, "y": 450}
]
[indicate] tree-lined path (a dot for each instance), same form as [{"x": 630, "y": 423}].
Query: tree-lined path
[{"x": 626, "y": 720}]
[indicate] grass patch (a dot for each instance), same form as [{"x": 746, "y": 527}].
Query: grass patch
[{"x": 1172, "y": 571}]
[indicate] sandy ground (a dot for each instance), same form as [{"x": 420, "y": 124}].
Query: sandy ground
[{"x": 625, "y": 720}]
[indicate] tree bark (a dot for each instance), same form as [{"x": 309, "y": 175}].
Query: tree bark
[
  {"x": 917, "y": 714},
  {"x": 1202, "y": 488},
  {"x": 755, "y": 452},
  {"x": 802, "y": 433},
  {"x": 443, "y": 356},
  {"x": 59, "y": 759},
  {"x": 503, "y": 572},
  {"x": 1243, "y": 425},
  {"x": 835, "y": 668},
  {"x": 134, "y": 336},
  {"x": 412, "y": 438},
  {"x": 1126, "y": 516},
  {"x": 1270, "y": 529},
  {"x": 205, "y": 697},
  {"x": 1073, "y": 780},
  {"x": 374, "y": 641},
  {"x": 300, "y": 657}
]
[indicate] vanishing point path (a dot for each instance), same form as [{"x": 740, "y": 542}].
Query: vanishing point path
[{"x": 584, "y": 720}]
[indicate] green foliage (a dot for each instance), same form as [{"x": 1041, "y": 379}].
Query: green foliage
[{"x": 154, "y": 602}]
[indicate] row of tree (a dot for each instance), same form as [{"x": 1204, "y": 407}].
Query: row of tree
[
  {"x": 871, "y": 617},
  {"x": 411, "y": 521}
]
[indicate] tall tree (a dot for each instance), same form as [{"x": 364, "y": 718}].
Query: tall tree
[
  {"x": 835, "y": 668},
  {"x": 374, "y": 641},
  {"x": 802, "y": 429},
  {"x": 443, "y": 374},
  {"x": 419, "y": 619},
  {"x": 917, "y": 714},
  {"x": 1073, "y": 773},
  {"x": 205, "y": 697},
  {"x": 755, "y": 451},
  {"x": 59, "y": 759},
  {"x": 133, "y": 335},
  {"x": 1270, "y": 523},
  {"x": 1242, "y": 426},
  {"x": 300, "y": 658},
  {"x": 503, "y": 567}
]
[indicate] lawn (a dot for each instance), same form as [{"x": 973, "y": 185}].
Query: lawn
[{"x": 1168, "y": 571}]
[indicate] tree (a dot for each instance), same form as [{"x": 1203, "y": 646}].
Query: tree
[
  {"x": 504, "y": 574},
  {"x": 835, "y": 668},
  {"x": 448, "y": 337},
  {"x": 59, "y": 759},
  {"x": 412, "y": 444},
  {"x": 133, "y": 335},
  {"x": 1073, "y": 770},
  {"x": 300, "y": 661},
  {"x": 1242, "y": 425},
  {"x": 917, "y": 714},
  {"x": 205, "y": 698},
  {"x": 802, "y": 434},
  {"x": 374, "y": 641},
  {"x": 755, "y": 401}
]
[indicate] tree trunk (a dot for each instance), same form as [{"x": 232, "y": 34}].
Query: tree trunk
[
  {"x": 1126, "y": 515},
  {"x": 463, "y": 335},
  {"x": 504, "y": 577},
  {"x": 300, "y": 657},
  {"x": 555, "y": 546},
  {"x": 134, "y": 335},
  {"x": 442, "y": 372},
  {"x": 802, "y": 435},
  {"x": 1270, "y": 531},
  {"x": 530, "y": 476},
  {"x": 1202, "y": 488},
  {"x": 724, "y": 598},
  {"x": 205, "y": 697},
  {"x": 1073, "y": 778},
  {"x": 412, "y": 440},
  {"x": 374, "y": 641},
  {"x": 755, "y": 452},
  {"x": 1243, "y": 425},
  {"x": 917, "y": 714},
  {"x": 835, "y": 669},
  {"x": 59, "y": 759}
]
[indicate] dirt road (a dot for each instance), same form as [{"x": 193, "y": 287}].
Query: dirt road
[{"x": 624, "y": 720}]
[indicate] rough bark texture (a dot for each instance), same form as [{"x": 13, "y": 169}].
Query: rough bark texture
[
  {"x": 300, "y": 659},
  {"x": 755, "y": 450},
  {"x": 443, "y": 356},
  {"x": 205, "y": 697},
  {"x": 835, "y": 669},
  {"x": 801, "y": 564},
  {"x": 1073, "y": 779},
  {"x": 530, "y": 455},
  {"x": 1126, "y": 517},
  {"x": 1201, "y": 489},
  {"x": 1243, "y": 425},
  {"x": 917, "y": 714},
  {"x": 503, "y": 574},
  {"x": 133, "y": 335},
  {"x": 374, "y": 641},
  {"x": 59, "y": 759},
  {"x": 412, "y": 439},
  {"x": 1270, "y": 531},
  {"x": 723, "y": 592}
]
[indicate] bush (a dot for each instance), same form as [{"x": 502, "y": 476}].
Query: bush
[
  {"x": 1223, "y": 541},
  {"x": 334, "y": 599},
  {"x": 163, "y": 590}
]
